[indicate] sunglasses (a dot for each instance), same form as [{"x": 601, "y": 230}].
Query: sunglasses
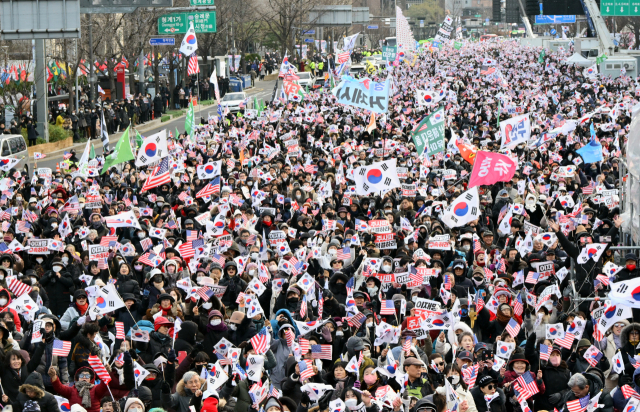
[
  {"x": 84, "y": 376},
  {"x": 491, "y": 386},
  {"x": 619, "y": 325}
]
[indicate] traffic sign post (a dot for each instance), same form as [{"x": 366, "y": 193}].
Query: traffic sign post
[
  {"x": 372, "y": 27},
  {"x": 201, "y": 2},
  {"x": 203, "y": 22}
]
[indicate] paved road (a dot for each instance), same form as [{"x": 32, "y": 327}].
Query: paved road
[{"x": 263, "y": 90}]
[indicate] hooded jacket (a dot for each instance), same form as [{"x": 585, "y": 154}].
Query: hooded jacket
[
  {"x": 627, "y": 349},
  {"x": 595, "y": 386},
  {"x": 46, "y": 401},
  {"x": 183, "y": 397},
  {"x": 619, "y": 400}
]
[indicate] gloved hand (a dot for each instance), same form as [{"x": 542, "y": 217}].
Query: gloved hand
[
  {"x": 562, "y": 317},
  {"x": 572, "y": 358},
  {"x": 324, "y": 400},
  {"x": 42, "y": 332},
  {"x": 133, "y": 353},
  {"x": 165, "y": 387},
  {"x": 356, "y": 384},
  {"x": 127, "y": 358},
  {"x": 171, "y": 357},
  {"x": 305, "y": 399},
  {"x": 555, "y": 398},
  {"x": 326, "y": 334}
]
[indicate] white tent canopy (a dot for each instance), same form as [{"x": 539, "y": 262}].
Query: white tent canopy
[{"x": 579, "y": 60}]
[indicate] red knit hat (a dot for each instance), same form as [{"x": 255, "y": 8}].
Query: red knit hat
[{"x": 160, "y": 321}]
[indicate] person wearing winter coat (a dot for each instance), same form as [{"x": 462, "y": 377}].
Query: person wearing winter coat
[
  {"x": 188, "y": 393},
  {"x": 554, "y": 373},
  {"x": 234, "y": 284},
  {"x": 167, "y": 305},
  {"x": 486, "y": 386},
  {"x": 159, "y": 339},
  {"x": 629, "y": 340},
  {"x": 126, "y": 282},
  {"x": 33, "y": 391},
  {"x": 78, "y": 308},
  {"x": 619, "y": 398},
  {"x": 583, "y": 384},
  {"x": 609, "y": 346},
  {"x": 15, "y": 370},
  {"x": 280, "y": 349},
  {"x": 454, "y": 376},
  {"x": 59, "y": 286},
  {"x": 577, "y": 362},
  {"x": 518, "y": 366},
  {"x": 84, "y": 391},
  {"x": 241, "y": 327}
]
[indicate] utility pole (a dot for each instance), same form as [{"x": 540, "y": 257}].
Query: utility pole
[{"x": 92, "y": 78}]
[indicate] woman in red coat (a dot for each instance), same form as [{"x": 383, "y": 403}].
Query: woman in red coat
[{"x": 84, "y": 390}]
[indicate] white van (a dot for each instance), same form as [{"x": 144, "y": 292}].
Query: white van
[{"x": 13, "y": 145}]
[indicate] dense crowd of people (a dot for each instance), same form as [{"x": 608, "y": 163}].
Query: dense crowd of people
[{"x": 274, "y": 292}]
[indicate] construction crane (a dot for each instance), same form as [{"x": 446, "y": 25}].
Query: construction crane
[{"x": 604, "y": 36}]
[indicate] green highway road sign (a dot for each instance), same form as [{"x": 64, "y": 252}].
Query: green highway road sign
[
  {"x": 620, "y": 7},
  {"x": 201, "y": 2},
  {"x": 172, "y": 23},
  {"x": 203, "y": 22}
]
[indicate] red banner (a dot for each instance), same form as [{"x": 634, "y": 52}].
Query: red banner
[{"x": 490, "y": 168}]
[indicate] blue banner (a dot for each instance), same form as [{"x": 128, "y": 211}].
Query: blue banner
[{"x": 363, "y": 93}]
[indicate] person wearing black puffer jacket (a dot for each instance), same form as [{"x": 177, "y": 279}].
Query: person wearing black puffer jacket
[
  {"x": 555, "y": 374},
  {"x": 234, "y": 285},
  {"x": 241, "y": 328},
  {"x": 126, "y": 282}
]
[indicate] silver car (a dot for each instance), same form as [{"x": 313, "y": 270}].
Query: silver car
[{"x": 233, "y": 101}]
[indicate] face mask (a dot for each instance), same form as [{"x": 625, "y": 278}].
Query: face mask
[
  {"x": 160, "y": 204},
  {"x": 370, "y": 379},
  {"x": 65, "y": 260},
  {"x": 141, "y": 235},
  {"x": 372, "y": 290},
  {"x": 351, "y": 403},
  {"x": 273, "y": 269},
  {"x": 233, "y": 326},
  {"x": 252, "y": 272},
  {"x": 454, "y": 379},
  {"x": 207, "y": 305},
  {"x": 54, "y": 225},
  {"x": 386, "y": 268},
  {"x": 456, "y": 162},
  {"x": 631, "y": 267},
  {"x": 466, "y": 248},
  {"x": 292, "y": 301},
  {"x": 57, "y": 268},
  {"x": 138, "y": 267},
  {"x": 215, "y": 322},
  {"x": 414, "y": 299},
  {"x": 34, "y": 281},
  {"x": 255, "y": 256},
  {"x": 19, "y": 199},
  {"x": 477, "y": 281},
  {"x": 369, "y": 324},
  {"x": 555, "y": 361},
  {"x": 96, "y": 224},
  {"x": 3, "y": 301},
  {"x": 367, "y": 353},
  {"x": 333, "y": 252}
]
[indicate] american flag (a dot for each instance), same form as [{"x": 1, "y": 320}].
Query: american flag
[
  {"x": 5, "y": 215},
  {"x": 593, "y": 357},
  {"x": 306, "y": 369},
  {"x": 146, "y": 244},
  {"x": 349, "y": 286},
  {"x": 545, "y": 352},
  {"x": 99, "y": 368},
  {"x": 183, "y": 196},
  {"x": 344, "y": 253},
  {"x": 61, "y": 348},
  {"x": 251, "y": 240},
  {"x": 588, "y": 190},
  {"x": 120, "y": 330},
  {"x": 387, "y": 308},
  {"x": 289, "y": 336},
  {"x": 532, "y": 277},
  {"x": 470, "y": 374},
  {"x": 108, "y": 241},
  {"x": 313, "y": 169},
  {"x": 211, "y": 188},
  {"x": 186, "y": 250},
  {"x": 479, "y": 302},
  {"x": 604, "y": 279},
  {"x": 356, "y": 320},
  {"x": 629, "y": 392},
  {"x": 260, "y": 342},
  {"x": 303, "y": 307},
  {"x": 321, "y": 352},
  {"x": 67, "y": 155},
  {"x": 406, "y": 345},
  {"x": 579, "y": 405},
  {"x": 447, "y": 282},
  {"x": 513, "y": 327},
  {"x": 488, "y": 71},
  {"x": 528, "y": 385},
  {"x": 191, "y": 235},
  {"x": 205, "y": 293},
  {"x": 72, "y": 205},
  {"x": 320, "y": 304},
  {"x": 23, "y": 226},
  {"x": 18, "y": 288},
  {"x": 343, "y": 57},
  {"x": 518, "y": 308},
  {"x": 160, "y": 175},
  {"x": 218, "y": 259},
  {"x": 565, "y": 342},
  {"x": 193, "y": 67}
]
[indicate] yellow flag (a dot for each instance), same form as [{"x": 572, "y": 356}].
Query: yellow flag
[{"x": 372, "y": 124}]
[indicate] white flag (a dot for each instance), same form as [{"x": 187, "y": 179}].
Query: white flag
[
  {"x": 617, "y": 363},
  {"x": 377, "y": 177},
  {"x": 153, "y": 149},
  {"x": 350, "y": 42},
  {"x": 625, "y": 292},
  {"x": 209, "y": 170},
  {"x": 124, "y": 219},
  {"x": 6, "y": 163},
  {"x": 107, "y": 300},
  {"x": 189, "y": 43},
  {"x": 555, "y": 331},
  {"x": 465, "y": 209},
  {"x": 515, "y": 131},
  {"x": 612, "y": 314},
  {"x": 139, "y": 373},
  {"x": 591, "y": 71}
]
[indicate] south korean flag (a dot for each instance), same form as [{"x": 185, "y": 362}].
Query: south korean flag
[
  {"x": 380, "y": 176},
  {"x": 153, "y": 149}
]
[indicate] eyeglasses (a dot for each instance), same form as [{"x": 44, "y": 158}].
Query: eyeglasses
[
  {"x": 85, "y": 376},
  {"x": 619, "y": 325}
]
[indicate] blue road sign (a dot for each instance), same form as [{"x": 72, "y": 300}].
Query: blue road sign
[
  {"x": 309, "y": 32},
  {"x": 555, "y": 19},
  {"x": 308, "y": 40},
  {"x": 372, "y": 27},
  {"x": 552, "y": 31},
  {"x": 162, "y": 41}
]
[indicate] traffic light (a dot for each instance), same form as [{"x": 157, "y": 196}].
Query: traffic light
[{"x": 532, "y": 7}]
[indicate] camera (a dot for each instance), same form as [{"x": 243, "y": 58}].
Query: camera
[{"x": 605, "y": 239}]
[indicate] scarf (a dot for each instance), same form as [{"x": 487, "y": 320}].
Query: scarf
[
  {"x": 84, "y": 390},
  {"x": 166, "y": 312},
  {"x": 82, "y": 308}
]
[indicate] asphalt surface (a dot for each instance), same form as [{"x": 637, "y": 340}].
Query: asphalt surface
[{"x": 262, "y": 90}]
